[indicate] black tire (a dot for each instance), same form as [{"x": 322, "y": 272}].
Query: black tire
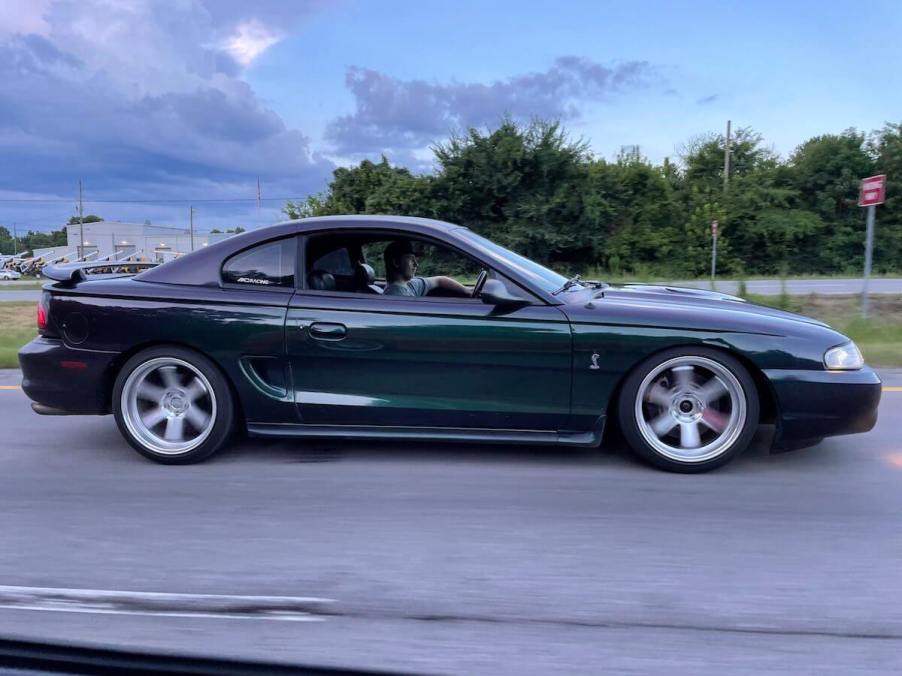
[
  {"x": 222, "y": 415},
  {"x": 731, "y": 445}
]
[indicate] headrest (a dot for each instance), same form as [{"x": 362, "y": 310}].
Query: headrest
[
  {"x": 320, "y": 280},
  {"x": 364, "y": 274}
]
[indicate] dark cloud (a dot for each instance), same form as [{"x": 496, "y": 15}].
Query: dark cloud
[
  {"x": 148, "y": 107},
  {"x": 705, "y": 100},
  {"x": 397, "y": 114}
]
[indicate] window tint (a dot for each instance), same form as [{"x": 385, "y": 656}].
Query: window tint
[
  {"x": 337, "y": 262},
  {"x": 270, "y": 264}
]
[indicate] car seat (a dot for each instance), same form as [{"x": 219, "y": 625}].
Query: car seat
[{"x": 365, "y": 279}]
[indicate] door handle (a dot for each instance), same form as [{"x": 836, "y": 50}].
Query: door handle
[{"x": 328, "y": 331}]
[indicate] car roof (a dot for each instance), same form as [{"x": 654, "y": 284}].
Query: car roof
[
  {"x": 201, "y": 267},
  {"x": 371, "y": 220}
]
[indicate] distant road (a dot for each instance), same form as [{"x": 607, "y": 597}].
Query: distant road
[
  {"x": 32, "y": 295},
  {"x": 801, "y": 287},
  {"x": 764, "y": 287}
]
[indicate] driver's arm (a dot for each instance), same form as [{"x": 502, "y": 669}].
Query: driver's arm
[{"x": 449, "y": 284}]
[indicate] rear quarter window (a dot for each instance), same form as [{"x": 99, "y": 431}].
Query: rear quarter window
[{"x": 267, "y": 265}]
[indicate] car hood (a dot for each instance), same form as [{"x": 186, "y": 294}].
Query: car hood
[{"x": 680, "y": 302}]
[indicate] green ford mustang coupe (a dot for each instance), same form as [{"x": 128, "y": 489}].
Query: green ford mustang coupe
[{"x": 409, "y": 328}]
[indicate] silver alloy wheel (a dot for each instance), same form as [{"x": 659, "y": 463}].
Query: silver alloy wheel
[
  {"x": 690, "y": 409},
  {"x": 168, "y": 405}
]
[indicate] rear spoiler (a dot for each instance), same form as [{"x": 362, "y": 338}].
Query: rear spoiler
[{"x": 72, "y": 273}]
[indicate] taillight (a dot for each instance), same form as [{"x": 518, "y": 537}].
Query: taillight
[
  {"x": 43, "y": 308},
  {"x": 42, "y": 317}
]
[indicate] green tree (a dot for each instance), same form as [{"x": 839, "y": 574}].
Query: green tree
[
  {"x": 522, "y": 185},
  {"x": 826, "y": 170},
  {"x": 6, "y": 241},
  {"x": 90, "y": 218},
  {"x": 755, "y": 229},
  {"x": 40, "y": 240},
  {"x": 314, "y": 205},
  {"x": 635, "y": 206},
  {"x": 886, "y": 146},
  {"x": 533, "y": 188}
]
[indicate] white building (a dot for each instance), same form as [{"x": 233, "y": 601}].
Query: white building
[{"x": 150, "y": 242}]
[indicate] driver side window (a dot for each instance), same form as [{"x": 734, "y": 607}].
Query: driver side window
[
  {"x": 386, "y": 264},
  {"x": 429, "y": 261}
]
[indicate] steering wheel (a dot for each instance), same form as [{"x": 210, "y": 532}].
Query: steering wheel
[{"x": 480, "y": 282}]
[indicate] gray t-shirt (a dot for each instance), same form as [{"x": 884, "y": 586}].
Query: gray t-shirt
[{"x": 418, "y": 286}]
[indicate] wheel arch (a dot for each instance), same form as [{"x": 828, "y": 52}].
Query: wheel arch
[
  {"x": 769, "y": 410},
  {"x": 122, "y": 359}
]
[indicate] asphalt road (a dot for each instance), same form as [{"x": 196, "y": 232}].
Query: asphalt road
[
  {"x": 798, "y": 287},
  {"x": 460, "y": 559}
]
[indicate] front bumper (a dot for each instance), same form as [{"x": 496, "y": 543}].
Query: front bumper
[
  {"x": 65, "y": 378},
  {"x": 817, "y": 404}
]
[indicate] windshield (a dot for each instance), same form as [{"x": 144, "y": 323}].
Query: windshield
[{"x": 545, "y": 279}]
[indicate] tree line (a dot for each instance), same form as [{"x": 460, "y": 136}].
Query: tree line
[
  {"x": 12, "y": 242},
  {"x": 535, "y": 189}
]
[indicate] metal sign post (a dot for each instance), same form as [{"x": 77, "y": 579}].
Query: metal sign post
[
  {"x": 873, "y": 192},
  {"x": 713, "y": 251}
]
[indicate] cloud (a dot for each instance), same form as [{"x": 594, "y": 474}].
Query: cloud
[
  {"x": 394, "y": 114},
  {"x": 250, "y": 40},
  {"x": 23, "y": 17},
  {"x": 143, "y": 99},
  {"x": 705, "y": 100}
]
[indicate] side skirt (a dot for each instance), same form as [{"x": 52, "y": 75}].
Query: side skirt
[{"x": 590, "y": 438}]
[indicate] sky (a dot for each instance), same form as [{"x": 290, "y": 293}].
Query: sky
[{"x": 156, "y": 105}]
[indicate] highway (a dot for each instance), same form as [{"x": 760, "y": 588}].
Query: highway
[
  {"x": 764, "y": 287},
  {"x": 457, "y": 559}
]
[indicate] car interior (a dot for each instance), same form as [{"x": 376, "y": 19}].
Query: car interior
[{"x": 355, "y": 263}]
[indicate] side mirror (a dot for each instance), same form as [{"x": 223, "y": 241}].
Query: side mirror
[{"x": 495, "y": 293}]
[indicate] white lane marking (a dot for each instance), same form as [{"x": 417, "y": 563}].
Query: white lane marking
[
  {"x": 116, "y": 602},
  {"x": 286, "y": 617}
]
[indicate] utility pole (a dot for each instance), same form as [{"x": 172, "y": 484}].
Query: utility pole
[
  {"x": 191, "y": 225},
  {"x": 726, "y": 159},
  {"x": 726, "y": 184},
  {"x": 259, "y": 197},
  {"x": 15, "y": 241},
  {"x": 713, "y": 252},
  {"x": 81, "y": 223}
]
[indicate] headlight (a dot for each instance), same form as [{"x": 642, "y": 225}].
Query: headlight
[{"x": 843, "y": 358}]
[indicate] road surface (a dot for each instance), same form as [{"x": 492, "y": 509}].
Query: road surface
[
  {"x": 764, "y": 287},
  {"x": 457, "y": 559}
]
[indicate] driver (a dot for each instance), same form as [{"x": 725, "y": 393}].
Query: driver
[{"x": 400, "y": 266}]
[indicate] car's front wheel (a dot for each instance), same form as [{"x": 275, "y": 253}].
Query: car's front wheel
[
  {"x": 173, "y": 405},
  {"x": 689, "y": 409}
]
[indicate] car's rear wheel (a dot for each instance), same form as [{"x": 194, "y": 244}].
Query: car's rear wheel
[
  {"x": 689, "y": 409},
  {"x": 173, "y": 405}
]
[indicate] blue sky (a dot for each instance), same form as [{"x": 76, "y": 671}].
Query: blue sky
[{"x": 194, "y": 99}]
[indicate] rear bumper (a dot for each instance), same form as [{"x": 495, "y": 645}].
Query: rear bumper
[
  {"x": 817, "y": 404},
  {"x": 60, "y": 377}
]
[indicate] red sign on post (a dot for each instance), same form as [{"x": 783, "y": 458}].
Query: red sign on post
[{"x": 873, "y": 191}]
